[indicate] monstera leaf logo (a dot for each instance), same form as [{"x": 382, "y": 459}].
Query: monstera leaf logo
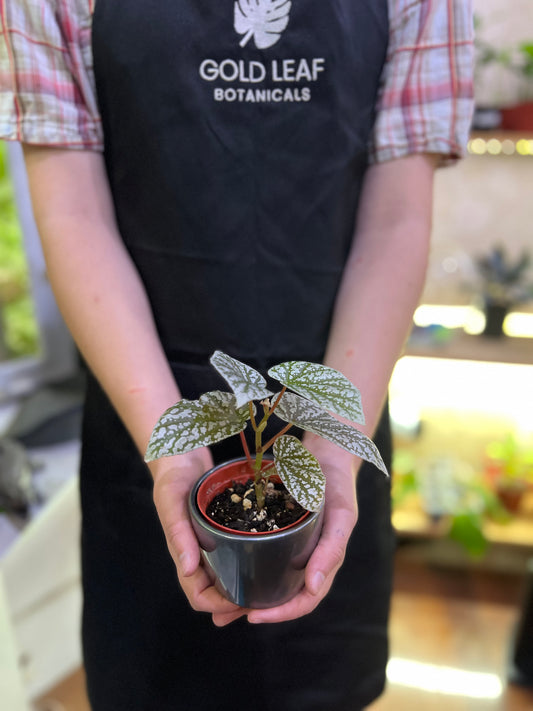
[{"x": 264, "y": 20}]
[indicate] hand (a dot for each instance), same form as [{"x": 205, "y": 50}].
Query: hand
[
  {"x": 340, "y": 517},
  {"x": 173, "y": 480}
]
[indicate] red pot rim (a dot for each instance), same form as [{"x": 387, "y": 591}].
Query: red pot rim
[{"x": 218, "y": 479}]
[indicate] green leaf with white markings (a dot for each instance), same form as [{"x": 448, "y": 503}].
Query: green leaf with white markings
[
  {"x": 246, "y": 382},
  {"x": 190, "y": 424},
  {"x": 323, "y": 385},
  {"x": 300, "y": 471},
  {"x": 305, "y": 414}
]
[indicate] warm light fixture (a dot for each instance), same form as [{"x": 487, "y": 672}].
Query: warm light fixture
[
  {"x": 471, "y": 320},
  {"x": 519, "y": 325},
  {"x": 503, "y": 390},
  {"x": 444, "y": 680},
  {"x": 468, "y": 318},
  {"x": 493, "y": 146}
]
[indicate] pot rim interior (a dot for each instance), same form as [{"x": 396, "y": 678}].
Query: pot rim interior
[{"x": 229, "y": 532}]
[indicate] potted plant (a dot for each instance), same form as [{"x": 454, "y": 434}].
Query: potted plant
[
  {"x": 268, "y": 510},
  {"x": 517, "y": 61},
  {"x": 520, "y": 116},
  {"x": 503, "y": 283},
  {"x": 510, "y": 471},
  {"x": 455, "y": 498}
]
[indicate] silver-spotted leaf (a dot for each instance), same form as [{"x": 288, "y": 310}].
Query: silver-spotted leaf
[
  {"x": 190, "y": 424},
  {"x": 305, "y": 414},
  {"x": 323, "y": 385},
  {"x": 300, "y": 471},
  {"x": 264, "y": 20},
  {"x": 246, "y": 383}
]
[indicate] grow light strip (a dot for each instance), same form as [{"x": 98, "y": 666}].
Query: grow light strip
[
  {"x": 516, "y": 324},
  {"x": 495, "y": 147},
  {"x": 444, "y": 680}
]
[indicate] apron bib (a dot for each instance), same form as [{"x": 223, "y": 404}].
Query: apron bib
[
  {"x": 236, "y": 167},
  {"x": 235, "y": 144}
]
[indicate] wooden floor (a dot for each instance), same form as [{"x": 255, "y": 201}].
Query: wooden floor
[
  {"x": 451, "y": 621},
  {"x": 445, "y": 622}
]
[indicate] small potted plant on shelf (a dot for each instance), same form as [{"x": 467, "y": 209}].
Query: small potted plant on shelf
[
  {"x": 509, "y": 469},
  {"x": 503, "y": 283},
  {"x": 456, "y": 500},
  {"x": 258, "y": 518},
  {"x": 517, "y": 61}
]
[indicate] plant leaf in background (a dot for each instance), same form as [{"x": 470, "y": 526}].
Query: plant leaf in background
[
  {"x": 300, "y": 472},
  {"x": 324, "y": 386},
  {"x": 265, "y": 20},
  {"x": 246, "y": 383},
  {"x": 467, "y": 529},
  {"x": 305, "y": 414},
  {"x": 190, "y": 424},
  {"x": 19, "y": 331}
]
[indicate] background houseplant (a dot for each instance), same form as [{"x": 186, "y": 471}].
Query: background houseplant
[
  {"x": 456, "y": 500},
  {"x": 509, "y": 470},
  {"x": 503, "y": 282},
  {"x": 515, "y": 61},
  {"x": 317, "y": 391},
  {"x": 18, "y": 328}
]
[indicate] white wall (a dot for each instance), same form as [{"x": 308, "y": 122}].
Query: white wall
[
  {"x": 504, "y": 24},
  {"x": 484, "y": 200},
  {"x": 480, "y": 202}
]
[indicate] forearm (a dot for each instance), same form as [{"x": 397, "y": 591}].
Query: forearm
[
  {"x": 379, "y": 291},
  {"x": 98, "y": 289},
  {"x": 105, "y": 308},
  {"x": 383, "y": 279}
]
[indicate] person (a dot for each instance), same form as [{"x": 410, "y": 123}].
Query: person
[{"x": 254, "y": 177}]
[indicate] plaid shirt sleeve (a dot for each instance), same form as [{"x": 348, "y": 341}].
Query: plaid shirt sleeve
[
  {"x": 426, "y": 102},
  {"x": 47, "y": 94}
]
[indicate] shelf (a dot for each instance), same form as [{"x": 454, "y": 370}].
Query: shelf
[
  {"x": 412, "y": 522},
  {"x": 502, "y": 135},
  {"x": 461, "y": 346}
]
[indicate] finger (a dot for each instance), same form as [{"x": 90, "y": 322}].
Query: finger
[
  {"x": 304, "y": 603},
  {"x": 183, "y": 547},
  {"x": 204, "y": 597},
  {"x": 330, "y": 551},
  {"x": 171, "y": 503},
  {"x": 320, "y": 572},
  {"x": 226, "y": 618}
]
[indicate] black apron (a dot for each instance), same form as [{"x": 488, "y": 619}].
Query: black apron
[{"x": 235, "y": 143}]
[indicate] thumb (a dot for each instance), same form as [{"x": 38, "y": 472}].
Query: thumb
[{"x": 329, "y": 554}]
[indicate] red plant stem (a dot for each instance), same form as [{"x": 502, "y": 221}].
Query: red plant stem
[
  {"x": 283, "y": 389},
  {"x": 276, "y": 436},
  {"x": 246, "y": 450}
]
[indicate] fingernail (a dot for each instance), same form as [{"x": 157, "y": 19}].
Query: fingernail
[{"x": 316, "y": 582}]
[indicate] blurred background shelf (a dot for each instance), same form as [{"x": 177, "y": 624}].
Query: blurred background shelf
[
  {"x": 462, "y": 346},
  {"x": 411, "y": 522}
]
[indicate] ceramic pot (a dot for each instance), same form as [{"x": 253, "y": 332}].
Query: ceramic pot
[
  {"x": 257, "y": 570},
  {"x": 495, "y": 314},
  {"x": 511, "y": 494},
  {"x": 519, "y": 117}
]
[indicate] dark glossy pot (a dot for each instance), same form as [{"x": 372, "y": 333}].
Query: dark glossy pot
[
  {"x": 495, "y": 315},
  {"x": 257, "y": 570}
]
